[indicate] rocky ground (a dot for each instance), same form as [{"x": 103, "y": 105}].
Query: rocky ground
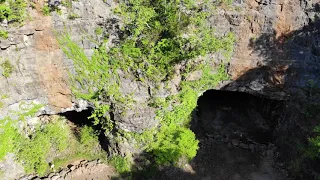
[
  {"x": 84, "y": 170},
  {"x": 231, "y": 159}
]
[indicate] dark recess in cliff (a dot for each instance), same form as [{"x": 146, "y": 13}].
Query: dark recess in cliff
[
  {"x": 81, "y": 119},
  {"x": 239, "y": 113}
]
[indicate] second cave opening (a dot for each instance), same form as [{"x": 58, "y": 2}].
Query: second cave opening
[{"x": 237, "y": 114}]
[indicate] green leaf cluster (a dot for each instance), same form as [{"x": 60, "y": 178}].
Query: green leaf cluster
[
  {"x": 3, "y": 34},
  {"x": 14, "y": 11},
  {"x": 7, "y": 68},
  {"x": 172, "y": 143},
  {"x": 9, "y": 135}
]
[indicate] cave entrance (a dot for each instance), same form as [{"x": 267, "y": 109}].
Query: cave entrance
[
  {"x": 239, "y": 114},
  {"x": 80, "y": 119},
  {"x": 236, "y": 133}
]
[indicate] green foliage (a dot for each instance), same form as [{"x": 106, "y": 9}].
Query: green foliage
[
  {"x": 84, "y": 146},
  {"x": 228, "y": 2},
  {"x": 67, "y": 3},
  {"x": 121, "y": 164},
  {"x": 73, "y": 16},
  {"x": 98, "y": 31},
  {"x": 9, "y": 135},
  {"x": 174, "y": 140},
  {"x": 15, "y": 11},
  {"x": 18, "y": 8},
  {"x": 157, "y": 35},
  {"x": 3, "y": 34},
  {"x": 314, "y": 149},
  {"x": 54, "y": 140},
  {"x": 7, "y": 68},
  {"x": 46, "y": 10},
  {"x": 3, "y": 96},
  {"x": 172, "y": 143},
  {"x": 88, "y": 138},
  {"x": 34, "y": 151}
]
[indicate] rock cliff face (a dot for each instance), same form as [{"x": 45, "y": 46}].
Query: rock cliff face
[
  {"x": 272, "y": 52},
  {"x": 276, "y": 53},
  {"x": 40, "y": 69}
]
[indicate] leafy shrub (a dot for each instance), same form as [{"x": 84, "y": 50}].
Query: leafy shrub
[
  {"x": 174, "y": 142},
  {"x": 46, "y": 10},
  {"x": 121, "y": 164},
  {"x": 9, "y": 135},
  {"x": 34, "y": 151},
  {"x": 5, "y": 12},
  {"x": 54, "y": 141},
  {"x": 15, "y": 11},
  {"x": 19, "y": 12},
  {"x": 88, "y": 138},
  {"x": 315, "y": 142}
]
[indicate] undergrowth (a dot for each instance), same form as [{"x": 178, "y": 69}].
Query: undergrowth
[
  {"x": 4, "y": 34},
  {"x": 7, "y": 68},
  {"x": 52, "y": 137},
  {"x": 14, "y": 11},
  {"x": 121, "y": 164},
  {"x": 55, "y": 140}
]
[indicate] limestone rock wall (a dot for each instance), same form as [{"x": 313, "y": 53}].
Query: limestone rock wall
[
  {"x": 264, "y": 61},
  {"x": 40, "y": 69}
]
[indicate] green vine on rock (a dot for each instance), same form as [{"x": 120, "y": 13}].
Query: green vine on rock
[{"x": 157, "y": 35}]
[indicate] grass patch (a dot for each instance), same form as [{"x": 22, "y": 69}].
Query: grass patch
[
  {"x": 85, "y": 146},
  {"x": 14, "y": 11},
  {"x": 54, "y": 141},
  {"x": 9, "y": 136},
  {"x": 46, "y": 10},
  {"x": 121, "y": 164},
  {"x": 98, "y": 31},
  {"x": 7, "y": 68},
  {"x": 73, "y": 16},
  {"x": 54, "y": 136},
  {"x": 4, "y": 34}
]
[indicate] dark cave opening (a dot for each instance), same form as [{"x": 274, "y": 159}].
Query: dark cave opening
[
  {"x": 236, "y": 115},
  {"x": 80, "y": 119}
]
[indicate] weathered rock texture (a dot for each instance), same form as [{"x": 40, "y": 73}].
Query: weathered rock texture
[
  {"x": 41, "y": 69},
  {"x": 269, "y": 58}
]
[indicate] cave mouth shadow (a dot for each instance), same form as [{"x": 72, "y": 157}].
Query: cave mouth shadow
[
  {"x": 234, "y": 113},
  {"x": 80, "y": 119}
]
